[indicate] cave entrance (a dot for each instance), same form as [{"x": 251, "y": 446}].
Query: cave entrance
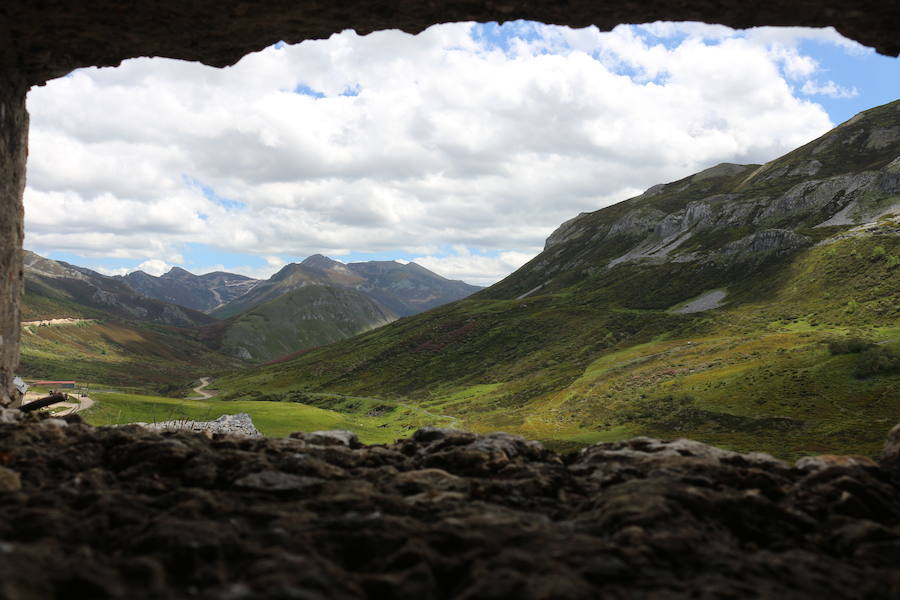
[{"x": 42, "y": 43}]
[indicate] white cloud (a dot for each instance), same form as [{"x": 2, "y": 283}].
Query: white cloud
[
  {"x": 111, "y": 272},
  {"x": 474, "y": 268},
  {"x": 449, "y": 141},
  {"x": 830, "y": 89},
  {"x": 154, "y": 267}
]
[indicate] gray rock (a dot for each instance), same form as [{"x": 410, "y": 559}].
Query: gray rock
[
  {"x": 768, "y": 241},
  {"x": 10, "y": 415},
  {"x": 9, "y": 481},
  {"x": 826, "y": 461},
  {"x": 276, "y": 481},
  {"x": 890, "y": 456},
  {"x": 334, "y": 437},
  {"x": 883, "y": 137}
]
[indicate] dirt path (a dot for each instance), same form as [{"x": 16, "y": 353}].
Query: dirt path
[{"x": 203, "y": 395}]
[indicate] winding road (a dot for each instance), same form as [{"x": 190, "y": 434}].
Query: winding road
[{"x": 203, "y": 395}]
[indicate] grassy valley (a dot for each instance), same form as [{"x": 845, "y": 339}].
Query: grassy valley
[{"x": 570, "y": 368}]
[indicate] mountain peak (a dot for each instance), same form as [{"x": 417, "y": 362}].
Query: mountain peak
[
  {"x": 323, "y": 263},
  {"x": 288, "y": 270},
  {"x": 177, "y": 273}
]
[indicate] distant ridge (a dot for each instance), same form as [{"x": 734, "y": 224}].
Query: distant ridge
[
  {"x": 403, "y": 289},
  {"x": 200, "y": 292}
]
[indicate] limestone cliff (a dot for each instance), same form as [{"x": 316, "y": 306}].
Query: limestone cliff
[{"x": 732, "y": 213}]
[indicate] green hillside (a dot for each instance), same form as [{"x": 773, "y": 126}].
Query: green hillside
[
  {"x": 299, "y": 319},
  {"x": 269, "y": 417},
  {"x": 712, "y": 307},
  {"x": 569, "y": 368},
  {"x": 103, "y": 348},
  {"x": 118, "y": 353}
]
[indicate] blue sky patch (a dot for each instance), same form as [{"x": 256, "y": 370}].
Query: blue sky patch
[
  {"x": 211, "y": 195},
  {"x": 305, "y": 90},
  {"x": 875, "y": 77},
  {"x": 494, "y": 36}
]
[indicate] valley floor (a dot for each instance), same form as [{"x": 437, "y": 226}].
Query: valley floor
[{"x": 782, "y": 392}]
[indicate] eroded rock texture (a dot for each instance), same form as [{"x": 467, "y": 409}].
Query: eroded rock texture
[
  {"x": 13, "y": 153},
  {"x": 123, "y": 512},
  {"x": 47, "y": 38}
]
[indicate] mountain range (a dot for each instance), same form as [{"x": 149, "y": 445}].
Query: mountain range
[
  {"x": 402, "y": 289},
  {"x": 304, "y": 305},
  {"x": 714, "y": 307},
  {"x": 199, "y": 292},
  {"x": 58, "y": 282}
]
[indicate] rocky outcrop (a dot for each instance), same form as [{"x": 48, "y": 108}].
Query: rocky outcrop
[
  {"x": 573, "y": 228},
  {"x": 726, "y": 213},
  {"x": 764, "y": 243},
  {"x": 125, "y": 512}
]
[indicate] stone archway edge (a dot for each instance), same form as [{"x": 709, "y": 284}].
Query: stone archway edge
[{"x": 44, "y": 39}]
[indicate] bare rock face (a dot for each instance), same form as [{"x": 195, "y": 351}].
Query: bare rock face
[
  {"x": 48, "y": 39},
  {"x": 13, "y": 154},
  {"x": 129, "y": 513}
]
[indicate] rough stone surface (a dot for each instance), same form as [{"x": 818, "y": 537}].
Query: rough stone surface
[
  {"x": 129, "y": 513},
  {"x": 9, "y": 481},
  {"x": 48, "y": 38},
  {"x": 13, "y": 154},
  {"x": 890, "y": 458},
  {"x": 334, "y": 437}
]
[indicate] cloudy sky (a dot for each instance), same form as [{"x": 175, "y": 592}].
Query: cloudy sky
[{"x": 461, "y": 148}]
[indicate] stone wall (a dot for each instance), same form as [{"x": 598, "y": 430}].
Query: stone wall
[{"x": 13, "y": 152}]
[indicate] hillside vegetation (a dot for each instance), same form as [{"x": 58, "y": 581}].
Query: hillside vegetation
[
  {"x": 610, "y": 332},
  {"x": 302, "y": 318},
  {"x": 103, "y": 347}
]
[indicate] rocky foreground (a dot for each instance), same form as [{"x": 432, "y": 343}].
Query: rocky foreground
[{"x": 125, "y": 512}]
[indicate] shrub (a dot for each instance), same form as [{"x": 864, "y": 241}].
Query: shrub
[
  {"x": 877, "y": 361},
  {"x": 852, "y": 345}
]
